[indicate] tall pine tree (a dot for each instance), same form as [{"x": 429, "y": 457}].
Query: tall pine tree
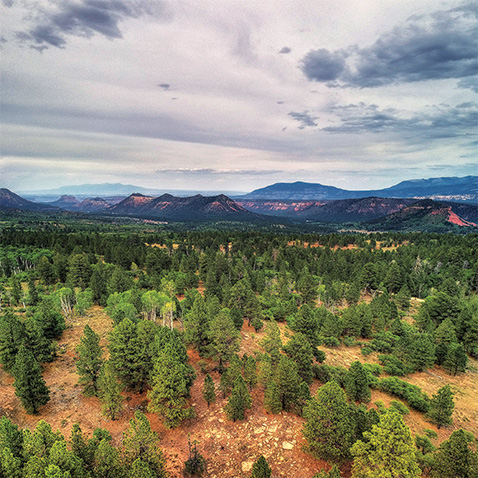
[
  {"x": 442, "y": 406},
  {"x": 89, "y": 363},
  {"x": 29, "y": 384}
]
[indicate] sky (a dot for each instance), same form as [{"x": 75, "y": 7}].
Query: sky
[{"x": 232, "y": 95}]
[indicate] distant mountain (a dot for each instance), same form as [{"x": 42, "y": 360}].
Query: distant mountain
[
  {"x": 355, "y": 210},
  {"x": 94, "y": 190},
  {"x": 10, "y": 200},
  {"x": 453, "y": 188},
  {"x": 275, "y": 207},
  {"x": 430, "y": 216},
  {"x": 66, "y": 202},
  {"x": 298, "y": 191},
  {"x": 181, "y": 208},
  {"x": 92, "y": 205}
]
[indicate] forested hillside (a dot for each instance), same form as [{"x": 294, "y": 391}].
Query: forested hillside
[{"x": 237, "y": 354}]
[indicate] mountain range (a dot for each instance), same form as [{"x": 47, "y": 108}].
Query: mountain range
[
  {"x": 452, "y": 188},
  {"x": 375, "y": 212}
]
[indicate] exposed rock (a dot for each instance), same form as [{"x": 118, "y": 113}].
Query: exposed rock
[
  {"x": 287, "y": 445},
  {"x": 247, "y": 466}
]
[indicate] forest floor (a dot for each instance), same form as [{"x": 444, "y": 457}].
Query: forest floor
[{"x": 230, "y": 448}]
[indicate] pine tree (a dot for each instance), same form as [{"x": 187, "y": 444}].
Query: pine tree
[
  {"x": 170, "y": 388},
  {"x": 196, "y": 326},
  {"x": 10, "y": 465},
  {"x": 288, "y": 382},
  {"x": 333, "y": 473},
  {"x": 261, "y": 469},
  {"x": 442, "y": 406},
  {"x": 107, "y": 461},
  {"x": 239, "y": 401},
  {"x": 141, "y": 443},
  {"x": 209, "y": 391},
  {"x": 13, "y": 334},
  {"x": 421, "y": 352},
  {"x": 11, "y": 437},
  {"x": 389, "y": 451},
  {"x": 109, "y": 391},
  {"x": 456, "y": 359},
  {"x": 455, "y": 458},
  {"x": 250, "y": 372},
  {"x": 29, "y": 384},
  {"x": 272, "y": 401},
  {"x": 49, "y": 319},
  {"x": 329, "y": 428},
  {"x": 45, "y": 270},
  {"x": 16, "y": 290},
  {"x": 272, "y": 342},
  {"x": 300, "y": 351},
  {"x": 89, "y": 363},
  {"x": 224, "y": 338},
  {"x": 124, "y": 348},
  {"x": 356, "y": 383},
  {"x": 32, "y": 295}
]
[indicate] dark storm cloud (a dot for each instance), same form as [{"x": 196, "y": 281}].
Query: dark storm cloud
[
  {"x": 440, "y": 122},
  {"x": 83, "y": 18},
  {"x": 442, "y": 45},
  {"x": 164, "y": 86},
  {"x": 304, "y": 118},
  {"x": 323, "y": 65},
  {"x": 285, "y": 50}
]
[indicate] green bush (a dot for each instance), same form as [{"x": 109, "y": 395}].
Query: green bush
[
  {"x": 417, "y": 399},
  {"x": 366, "y": 351},
  {"x": 393, "y": 365}
]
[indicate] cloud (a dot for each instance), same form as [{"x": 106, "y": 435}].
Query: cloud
[
  {"x": 322, "y": 65},
  {"x": 441, "y": 122},
  {"x": 164, "y": 86},
  {"x": 218, "y": 172},
  {"x": 8, "y": 3},
  {"x": 285, "y": 50},
  {"x": 469, "y": 83},
  {"x": 303, "y": 118},
  {"x": 441, "y": 45},
  {"x": 53, "y": 24}
]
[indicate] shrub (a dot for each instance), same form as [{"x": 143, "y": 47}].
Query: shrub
[
  {"x": 366, "y": 351},
  {"x": 417, "y": 399},
  {"x": 393, "y": 365}
]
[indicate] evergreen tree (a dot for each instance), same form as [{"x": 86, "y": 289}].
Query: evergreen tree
[
  {"x": 43, "y": 349},
  {"x": 141, "y": 443},
  {"x": 456, "y": 359},
  {"x": 32, "y": 295},
  {"x": 80, "y": 272},
  {"x": 333, "y": 473},
  {"x": 89, "y": 362},
  {"x": 67, "y": 462},
  {"x": 224, "y": 338},
  {"x": 288, "y": 382},
  {"x": 209, "y": 391},
  {"x": 455, "y": 458},
  {"x": 300, "y": 351},
  {"x": 421, "y": 352},
  {"x": 124, "y": 348},
  {"x": 195, "y": 464},
  {"x": 10, "y": 465},
  {"x": 261, "y": 469},
  {"x": 239, "y": 401},
  {"x": 356, "y": 383},
  {"x": 107, "y": 461},
  {"x": 45, "y": 270},
  {"x": 49, "y": 319},
  {"x": 109, "y": 391},
  {"x": 98, "y": 284},
  {"x": 12, "y": 335},
  {"x": 329, "y": 428},
  {"x": 11, "y": 437},
  {"x": 250, "y": 372},
  {"x": 389, "y": 451},
  {"x": 170, "y": 381},
  {"x": 16, "y": 290},
  {"x": 272, "y": 342},
  {"x": 29, "y": 384},
  {"x": 272, "y": 401},
  {"x": 442, "y": 406},
  {"x": 196, "y": 326}
]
